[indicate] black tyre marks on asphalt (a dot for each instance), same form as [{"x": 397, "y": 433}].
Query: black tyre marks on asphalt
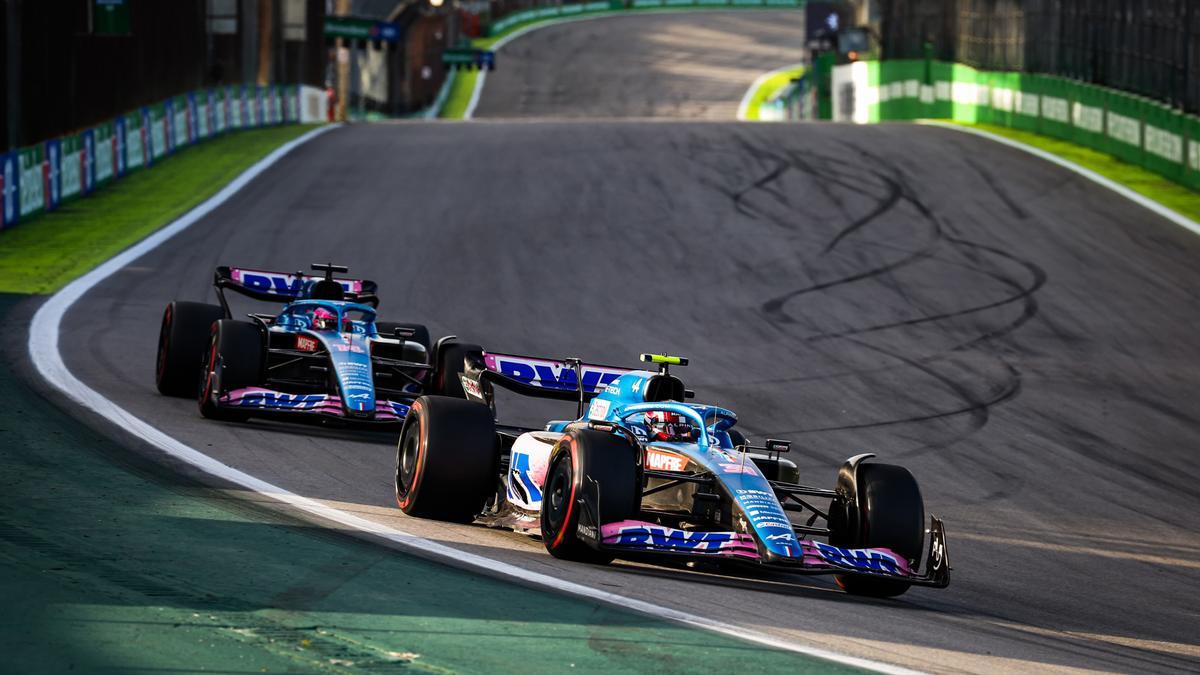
[{"x": 972, "y": 392}]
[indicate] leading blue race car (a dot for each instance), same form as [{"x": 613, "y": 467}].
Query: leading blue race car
[
  {"x": 323, "y": 355},
  {"x": 641, "y": 472}
]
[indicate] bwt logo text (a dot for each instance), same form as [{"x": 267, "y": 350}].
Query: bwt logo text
[{"x": 556, "y": 376}]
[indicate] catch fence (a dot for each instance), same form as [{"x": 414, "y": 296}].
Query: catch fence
[{"x": 1147, "y": 47}]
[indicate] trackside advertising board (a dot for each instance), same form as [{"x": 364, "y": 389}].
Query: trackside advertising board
[
  {"x": 1132, "y": 128},
  {"x": 40, "y": 177}
]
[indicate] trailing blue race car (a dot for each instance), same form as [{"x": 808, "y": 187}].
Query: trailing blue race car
[
  {"x": 642, "y": 472},
  {"x": 323, "y": 355}
]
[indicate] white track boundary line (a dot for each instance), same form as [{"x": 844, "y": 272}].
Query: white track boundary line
[
  {"x": 744, "y": 106},
  {"x": 49, "y": 362},
  {"x": 435, "y": 108},
  {"x": 1139, "y": 199}
]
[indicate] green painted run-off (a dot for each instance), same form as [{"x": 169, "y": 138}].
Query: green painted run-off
[{"x": 109, "y": 562}]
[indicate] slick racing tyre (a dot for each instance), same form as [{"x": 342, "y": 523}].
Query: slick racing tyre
[
  {"x": 446, "y": 466},
  {"x": 182, "y": 341},
  {"x": 420, "y": 336},
  {"x": 234, "y": 361},
  {"x": 585, "y": 463},
  {"x": 451, "y": 363},
  {"x": 891, "y": 515}
]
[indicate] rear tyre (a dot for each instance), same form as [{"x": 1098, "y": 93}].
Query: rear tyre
[
  {"x": 234, "y": 361},
  {"x": 182, "y": 341},
  {"x": 446, "y": 460},
  {"x": 892, "y": 516},
  {"x": 451, "y": 362},
  {"x": 581, "y": 457}
]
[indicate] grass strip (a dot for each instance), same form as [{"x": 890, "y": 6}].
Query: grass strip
[
  {"x": 1147, "y": 183},
  {"x": 459, "y": 97},
  {"x": 47, "y": 253},
  {"x": 463, "y": 86}
]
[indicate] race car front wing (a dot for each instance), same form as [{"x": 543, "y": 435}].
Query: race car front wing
[
  {"x": 810, "y": 557},
  {"x": 258, "y": 399}
]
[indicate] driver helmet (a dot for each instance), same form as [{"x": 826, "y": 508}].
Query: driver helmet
[
  {"x": 324, "y": 319},
  {"x": 669, "y": 426}
]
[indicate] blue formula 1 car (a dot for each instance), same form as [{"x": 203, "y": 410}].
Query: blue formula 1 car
[
  {"x": 323, "y": 355},
  {"x": 643, "y": 473}
]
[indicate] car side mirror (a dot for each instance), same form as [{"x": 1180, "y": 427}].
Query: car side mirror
[{"x": 778, "y": 446}]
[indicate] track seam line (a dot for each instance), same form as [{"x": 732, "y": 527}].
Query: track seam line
[
  {"x": 49, "y": 363},
  {"x": 1135, "y": 197}
]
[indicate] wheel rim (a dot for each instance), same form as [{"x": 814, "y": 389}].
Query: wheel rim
[
  {"x": 210, "y": 365},
  {"x": 406, "y": 463},
  {"x": 555, "y": 497}
]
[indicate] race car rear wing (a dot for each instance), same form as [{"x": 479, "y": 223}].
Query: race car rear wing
[
  {"x": 559, "y": 379},
  {"x": 285, "y": 287}
]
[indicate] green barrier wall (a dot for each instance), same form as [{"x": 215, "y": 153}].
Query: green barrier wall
[
  {"x": 40, "y": 177},
  {"x": 575, "y": 9},
  {"x": 1133, "y": 128}
]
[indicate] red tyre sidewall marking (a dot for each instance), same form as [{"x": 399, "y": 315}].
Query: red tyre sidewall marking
[
  {"x": 422, "y": 434},
  {"x": 212, "y": 366},
  {"x": 566, "y": 524}
]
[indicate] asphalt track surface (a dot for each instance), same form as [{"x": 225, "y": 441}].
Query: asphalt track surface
[
  {"x": 682, "y": 66},
  {"x": 1022, "y": 340}
]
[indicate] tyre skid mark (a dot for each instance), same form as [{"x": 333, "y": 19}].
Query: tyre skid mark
[{"x": 980, "y": 259}]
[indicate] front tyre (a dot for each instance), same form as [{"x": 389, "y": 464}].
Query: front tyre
[
  {"x": 451, "y": 362},
  {"x": 182, "y": 341},
  {"x": 234, "y": 361},
  {"x": 446, "y": 465},
  {"x": 586, "y": 461},
  {"x": 891, "y": 515}
]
